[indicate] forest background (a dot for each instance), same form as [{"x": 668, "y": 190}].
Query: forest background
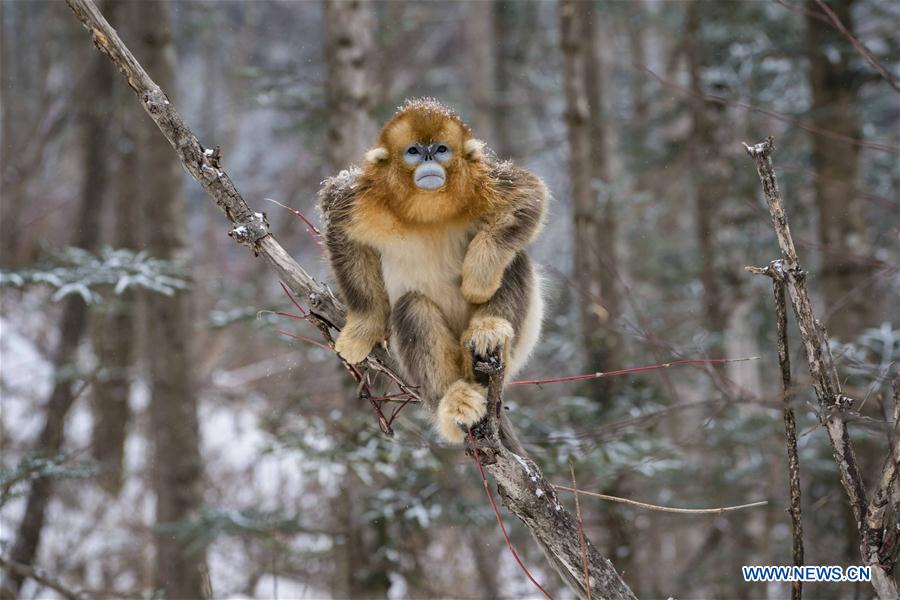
[{"x": 162, "y": 433}]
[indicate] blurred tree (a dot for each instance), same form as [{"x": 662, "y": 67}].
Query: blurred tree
[
  {"x": 513, "y": 26},
  {"x": 114, "y": 328},
  {"x": 177, "y": 464},
  {"x": 348, "y": 86},
  {"x": 481, "y": 68},
  {"x": 93, "y": 111},
  {"x": 846, "y": 254},
  {"x": 709, "y": 170},
  {"x": 350, "y": 95},
  {"x": 594, "y": 224},
  {"x": 32, "y": 114}
]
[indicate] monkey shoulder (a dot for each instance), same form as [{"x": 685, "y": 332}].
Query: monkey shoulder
[
  {"x": 519, "y": 196},
  {"x": 349, "y": 209},
  {"x": 339, "y": 194}
]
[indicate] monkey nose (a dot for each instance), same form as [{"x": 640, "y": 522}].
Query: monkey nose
[{"x": 429, "y": 176}]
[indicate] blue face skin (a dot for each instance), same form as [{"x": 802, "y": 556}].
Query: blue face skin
[{"x": 429, "y": 174}]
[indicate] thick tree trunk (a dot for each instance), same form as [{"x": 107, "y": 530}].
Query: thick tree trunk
[
  {"x": 74, "y": 320},
  {"x": 114, "y": 331},
  {"x": 510, "y": 30},
  {"x": 594, "y": 260},
  {"x": 348, "y": 56},
  {"x": 707, "y": 179},
  {"x": 481, "y": 50},
  {"x": 350, "y": 97},
  {"x": 842, "y": 234},
  {"x": 177, "y": 464}
]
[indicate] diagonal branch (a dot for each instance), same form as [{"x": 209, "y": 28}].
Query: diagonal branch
[
  {"x": 832, "y": 402},
  {"x": 525, "y": 491},
  {"x": 860, "y": 47}
]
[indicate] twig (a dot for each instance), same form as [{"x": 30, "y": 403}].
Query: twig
[
  {"x": 666, "y": 509},
  {"x": 776, "y": 272},
  {"x": 312, "y": 229},
  {"x": 37, "y": 574},
  {"x": 860, "y": 47},
  {"x": 598, "y": 375},
  {"x": 790, "y": 430},
  {"x": 805, "y": 125},
  {"x": 587, "y": 572},
  {"x": 832, "y": 402}
]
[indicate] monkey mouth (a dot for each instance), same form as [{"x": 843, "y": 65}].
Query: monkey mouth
[{"x": 429, "y": 181}]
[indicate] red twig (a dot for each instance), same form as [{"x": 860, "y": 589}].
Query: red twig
[
  {"x": 312, "y": 229},
  {"x": 490, "y": 496},
  {"x": 292, "y": 299},
  {"x": 305, "y": 339},
  {"x": 598, "y": 375}
]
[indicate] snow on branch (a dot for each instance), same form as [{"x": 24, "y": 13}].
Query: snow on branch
[{"x": 78, "y": 271}]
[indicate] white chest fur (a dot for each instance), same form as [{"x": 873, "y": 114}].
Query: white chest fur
[{"x": 432, "y": 265}]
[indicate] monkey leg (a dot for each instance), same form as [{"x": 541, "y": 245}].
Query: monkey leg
[
  {"x": 509, "y": 320},
  {"x": 430, "y": 355}
]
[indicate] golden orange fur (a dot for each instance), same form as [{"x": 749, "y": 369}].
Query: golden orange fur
[
  {"x": 443, "y": 272},
  {"x": 392, "y": 203}
]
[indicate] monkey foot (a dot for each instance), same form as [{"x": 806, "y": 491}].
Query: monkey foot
[
  {"x": 486, "y": 334},
  {"x": 351, "y": 348},
  {"x": 464, "y": 404}
]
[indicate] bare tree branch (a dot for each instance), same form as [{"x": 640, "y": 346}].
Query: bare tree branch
[
  {"x": 666, "y": 509},
  {"x": 37, "y": 574},
  {"x": 790, "y": 425},
  {"x": 525, "y": 491},
  {"x": 832, "y": 402},
  {"x": 860, "y": 47}
]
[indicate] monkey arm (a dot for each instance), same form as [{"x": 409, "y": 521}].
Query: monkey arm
[
  {"x": 357, "y": 268},
  {"x": 521, "y": 202}
]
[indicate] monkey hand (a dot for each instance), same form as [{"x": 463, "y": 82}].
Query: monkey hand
[
  {"x": 463, "y": 404},
  {"x": 358, "y": 337},
  {"x": 487, "y": 334}
]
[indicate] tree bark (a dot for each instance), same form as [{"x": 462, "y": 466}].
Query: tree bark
[
  {"x": 348, "y": 54},
  {"x": 593, "y": 224},
  {"x": 350, "y": 94},
  {"x": 177, "y": 464},
  {"x": 115, "y": 331},
  {"x": 517, "y": 478},
  {"x": 842, "y": 234},
  {"x": 707, "y": 175},
  {"x": 508, "y": 38},
  {"x": 74, "y": 320},
  {"x": 481, "y": 50}
]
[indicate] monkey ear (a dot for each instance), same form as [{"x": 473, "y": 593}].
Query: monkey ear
[
  {"x": 377, "y": 155},
  {"x": 473, "y": 149}
]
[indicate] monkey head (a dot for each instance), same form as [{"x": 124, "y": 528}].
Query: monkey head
[{"x": 427, "y": 167}]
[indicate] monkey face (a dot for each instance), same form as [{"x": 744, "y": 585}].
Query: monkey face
[
  {"x": 426, "y": 166},
  {"x": 428, "y": 160}
]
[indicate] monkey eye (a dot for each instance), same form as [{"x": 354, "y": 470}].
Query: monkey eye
[
  {"x": 412, "y": 150},
  {"x": 442, "y": 148}
]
